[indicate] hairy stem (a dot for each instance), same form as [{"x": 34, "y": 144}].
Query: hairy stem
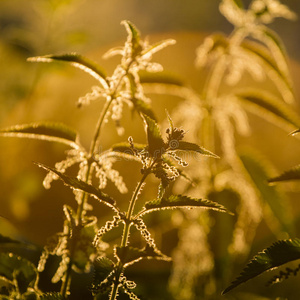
[
  {"x": 80, "y": 210},
  {"x": 125, "y": 235}
]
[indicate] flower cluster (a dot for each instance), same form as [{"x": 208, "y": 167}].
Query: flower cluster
[
  {"x": 101, "y": 167},
  {"x": 124, "y": 85}
]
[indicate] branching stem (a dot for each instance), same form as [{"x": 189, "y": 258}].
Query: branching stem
[
  {"x": 80, "y": 211},
  {"x": 126, "y": 231}
]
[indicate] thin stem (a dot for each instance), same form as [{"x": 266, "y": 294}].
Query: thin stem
[
  {"x": 126, "y": 231},
  {"x": 67, "y": 277}
]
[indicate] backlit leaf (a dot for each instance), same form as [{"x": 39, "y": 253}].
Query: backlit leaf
[
  {"x": 155, "y": 140},
  {"x": 52, "y": 296},
  {"x": 77, "y": 184},
  {"x": 277, "y": 48},
  {"x": 180, "y": 201},
  {"x": 7, "y": 240},
  {"x": 133, "y": 36},
  {"x": 280, "y": 78},
  {"x": 20, "y": 270},
  {"x": 48, "y": 131},
  {"x": 103, "y": 267},
  {"x": 125, "y": 147},
  {"x": 160, "y": 77},
  {"x": 186, "y": 146},
  {"x": 77, "y": 61},
  {"x": 238, "y": 3},
  {"x": 268, "y": 103},
  {"x": 84, "y": 248},
  {"x": 158, "y": 46},
  {"x": 292, "y": 174},
  {"x": 259, "y": 170},
  {"x": 276, "y": 255},
  {"x": 295, "y": 132}
]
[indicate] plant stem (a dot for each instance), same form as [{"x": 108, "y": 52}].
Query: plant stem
[
  {"x": 126, "y": 231},
  {"x": 80, "y": 210}
]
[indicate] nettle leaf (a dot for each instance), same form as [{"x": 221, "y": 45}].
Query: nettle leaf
[
  {"x": 103, "y": 267},
  {"x": 52, "y": 296},
  {"x": 292, "y": 174},
  {"x": 77, "y": 184},
  {"x": 180, "y": 201},
  {"x": 143, "y": 108},
  {"x": 133, "y": 35},
  {"x": 238, "y": 3},
  {"x": 150, "y": 50},
  {"x": 186, "y": 146},
  {"x": 48, "y": 131},
  {"x": 77, "y": 61},
  {"x": 268, "y": 103},
  {"x": 130, "y": 255},
  {"x": 276, "y": 255},
  {"x": 18, "y": 270},
  {"x": 7, "y": 244},
  {"x": 84, "y": 248},
  {"x": 294, "y": 132},
  {"x": 282, "y": 81},
  {"x": 219, "y": 40},
  {"x": 7, "y": 240},
  {"x": 125, "y": 147},
  {"x": 160, "y": 77},
  {"x": 259, "y": 171},
  {"x": 155, "y": 140},
  {"x": 278, "y": 51}
]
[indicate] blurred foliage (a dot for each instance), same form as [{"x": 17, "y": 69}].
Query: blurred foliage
[{"x": 30, "y": 92}]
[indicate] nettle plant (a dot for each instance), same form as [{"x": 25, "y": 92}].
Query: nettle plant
[
  {"x": 79, "y": 246},
  {"x": 280, "y": 253},
  {"x": 202, "y": 261}
]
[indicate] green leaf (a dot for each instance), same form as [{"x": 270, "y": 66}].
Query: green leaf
[
  {"x": 276, "y": 255},
  {"x": 294, "y": 132},
  {"x": 170, "y": 121},
  {"x": 84, "y": 247},
  {"x": 292, "y": 174},
  {"x": 268, "y": 103},
  {"x": 20, "y": 270},
  {"x": 186, "y": 146},
  {"x": 103, "y": 267},
  {"x": 77, "y": 61},
  {"x": 280, "y": 78},
  {"x": 144, "y": 108},
  {"x": 260, "y": 170},
  {"x": 133, "y": 36},
  {"x": 52, "y": 296},
  {"x": 180, "y": 201},
  {"x": 48, "y": 131},
  {"x": 125, "y": 147},
  {"x": 150, "y": 50},
  {"x": 238, "y": 3},
  {"x": 77, "y": 184},
  {"x": 155, "y": 141},
  {"x": 160, "y": 77},
  {"x": 278, "y": 51},
  {"x": 130, "y": 255},
  {"x": 8, "y": 244},
  {"x": 7, "y": 240}
]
